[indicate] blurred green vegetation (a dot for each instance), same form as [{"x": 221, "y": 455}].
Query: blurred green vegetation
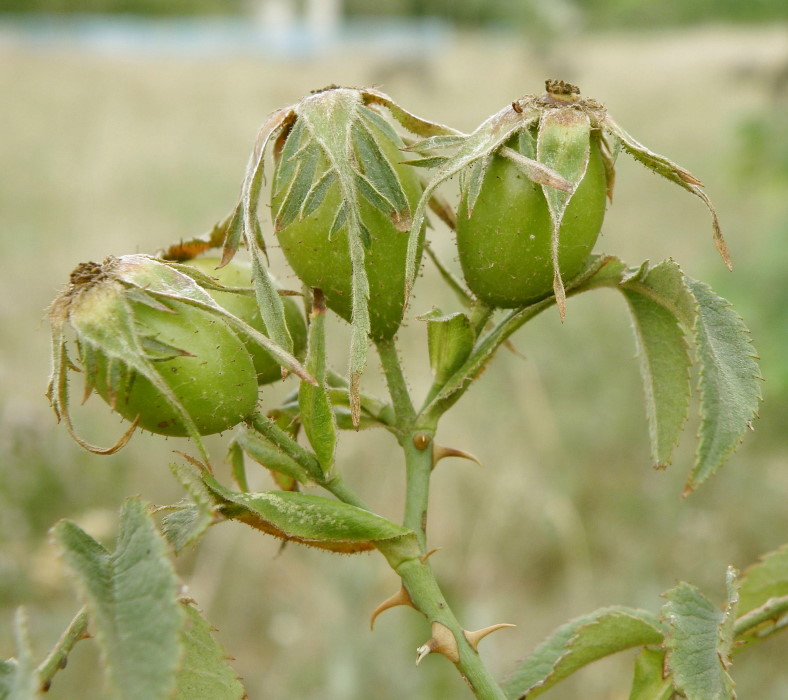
[
  {"x": 596, "y": 13},
  {"x": 119, "y": 154}
]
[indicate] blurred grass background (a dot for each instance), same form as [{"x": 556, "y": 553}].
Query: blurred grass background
[{"x": 108, "y": 150}]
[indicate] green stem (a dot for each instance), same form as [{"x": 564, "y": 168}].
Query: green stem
[
  {"x": 398, "y": 388},
  {"x": 76, "y": 631},
  {"x": 284, "y": 441},
  {"x": 770, "y": 611},
  {"x": 426, "y": 596},
  {"x": 417, "y": 447}
]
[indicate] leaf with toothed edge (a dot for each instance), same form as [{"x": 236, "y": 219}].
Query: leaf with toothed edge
[
  {"x": 729, "y": 381},
  {"x": 132, "y": 596},
  {"x": 578, "y": 643},
  {"x": 698, "y": 643},
  {"x": 766, "y": 579},
  {"x": 204, "y": 673},
  {"x": 664, "y": 355}
]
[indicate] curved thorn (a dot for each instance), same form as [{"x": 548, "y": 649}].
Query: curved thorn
[
  {"x": 475, "y": 637},
  {"x": 439, "y": 452},
  {"x": 426, "y": 556},
  {"x": 442, "y": 642},
  {"x": 401, "y": 597}
]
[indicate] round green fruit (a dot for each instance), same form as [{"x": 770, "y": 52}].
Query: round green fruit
[
  {"x": 215, "y": 383},
  {"x": 323, "y": 261},
  {"x": 505, "y": 244},
  {"x": 166, "y": 363},
  {"x": 238, "y": 273}
]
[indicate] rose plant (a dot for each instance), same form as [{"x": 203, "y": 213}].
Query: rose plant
[{"x": 173, "y": 343}]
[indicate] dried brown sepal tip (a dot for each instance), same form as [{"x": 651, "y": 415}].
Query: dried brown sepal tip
[
  {"x": 442, "y": 642},
  {"x": 561, "y": 91},
  {"x": 401, "y": 597}
]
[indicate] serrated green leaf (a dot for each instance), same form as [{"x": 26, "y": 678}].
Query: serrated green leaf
[
  {"x": 132, "y": 597},
  {"x": 578, "y": 643},
  {"x": 648, "y": 683},
  {"x": 450, "y": 339},
  {"x": 317, "y": 416},
  {"x": 729, "y": 381},
  {"x": 204, "y": 673},
  {"x": 664, "y": 367},
  {"x": 308, "y": 519},
  {"x": 764, "y": 580},
  {"x": 286, "y": 165},
  {"x": 695, "y": 651}
]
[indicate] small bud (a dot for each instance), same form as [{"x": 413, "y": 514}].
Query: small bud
[
  {"x": 401, "y": 597},
  {"x": 441, "y": 642},
  {"x": 421, "y": 441},
  {"x": 475, "y": 637}
]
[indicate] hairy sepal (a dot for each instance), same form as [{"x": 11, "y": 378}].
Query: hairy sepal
[{"x": 563, "y": 144}]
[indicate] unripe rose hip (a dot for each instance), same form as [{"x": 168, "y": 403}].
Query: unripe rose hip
[{"x": 238, "y": 273}]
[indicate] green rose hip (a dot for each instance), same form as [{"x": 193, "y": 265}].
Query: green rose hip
[
  {"x": 157, "y": 348},
  {"x": 239, "y": 274},
  {"x": 321, "y": 212},
  {"x": 533, "y": 181},
  {"x": 505, "y": 243}
]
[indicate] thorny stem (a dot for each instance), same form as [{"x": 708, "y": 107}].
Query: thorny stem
[
  {"x": 427, "y": 598},
  {"x": 56, "y": 660},
  {"x": 405, "y": 556},
  {"x": 417, "y": 576}
]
